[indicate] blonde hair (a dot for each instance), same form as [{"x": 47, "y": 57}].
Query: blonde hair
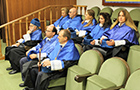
[
  {"x": 91, "y": 13},
  {"x": 65, "y": 9},
  {"x": 128, "y": 21}
]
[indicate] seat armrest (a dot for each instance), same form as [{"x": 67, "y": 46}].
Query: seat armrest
[
  {"x": 113, "y": 88},
  {"x": 80, "y": 78}
]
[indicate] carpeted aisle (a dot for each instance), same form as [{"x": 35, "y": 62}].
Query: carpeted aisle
[{"x": 7, "y": 81}]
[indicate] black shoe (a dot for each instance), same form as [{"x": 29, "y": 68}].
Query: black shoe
[
  {"x": 26, "y": 88},
  {"x": 22, "y": 85},
  {"x": 13, "y": 72},
  {"x": 9, "y": 68}
]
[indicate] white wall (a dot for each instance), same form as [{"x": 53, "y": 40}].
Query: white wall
[{"x": 92, "y": 3}]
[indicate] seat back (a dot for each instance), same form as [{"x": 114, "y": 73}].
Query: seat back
[
  {"x": 91, "y": 61},
  {"x": 133, "y": 58},
  {"x": 115, "y": 14},
  {"x": 107, "y": 10},
  {"x": 115, "y": 70},
  {"x": 79, "y": 48},
  {"x": 135, "y": 15},
  {"x": 133, "y": 81},
  {"x": 96, "y": 10}
]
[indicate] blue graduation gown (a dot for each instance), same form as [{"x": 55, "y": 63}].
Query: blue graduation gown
[
  {"x": 68, "y": 52},
  {"x": 88, "y": 28},
  {"x": 96, "y": 33},
  {"x": 121, "y": 33},
  {"x": 47, "y": 46},
  {"x": 36, "y": 35},
  {"x": 72, "y": 23},
  {"x": 61, "y": 21}
]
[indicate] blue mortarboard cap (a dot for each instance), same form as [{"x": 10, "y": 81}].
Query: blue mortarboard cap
[{"x": 36, "y": 22}]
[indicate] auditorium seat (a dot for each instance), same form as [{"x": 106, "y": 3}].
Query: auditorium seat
[
  {"x": 89, "y": 63},
  {"x": 133, "y": 81},
  {"x": 79, "y": 48},
  {"x": 96, "y": 9},
  {"x": 106, "y": 10},
  {"x": 135, "y": 15},
  {"x": 59, "y": 84},
  {"x": 115, "y": 14},
  {"x": 113, "y": 74},
  {"x": 133, "y": 58}
]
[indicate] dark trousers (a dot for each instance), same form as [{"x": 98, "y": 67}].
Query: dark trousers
[
  {"x": 15, "y": 55},
  {"x": 22, "y": 61}
]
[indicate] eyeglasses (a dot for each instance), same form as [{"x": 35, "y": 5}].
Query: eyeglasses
[{"x": 47, "y": 31}]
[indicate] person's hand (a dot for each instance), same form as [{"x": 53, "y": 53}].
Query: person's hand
[
  {"x": 77, "y": 33},
  {"x": 101, "y": 40},
  {"x": 39, "y": 65},
  {"x": 16, "y": 44},
  {"x": 33, "y": 56},
  {"x": 110, "y": 42},
  {"x": 46, "y": 63},
  {"x": 29, "y": 32},
  {"x": 92, "y": 42}
]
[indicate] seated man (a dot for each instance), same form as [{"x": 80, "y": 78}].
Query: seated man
[
  {"x": 73, "y": 22},
  {"x": 15, "y": 52},
  {"x": 63, "y": 56},
  {"x": 46, "y": 47}
]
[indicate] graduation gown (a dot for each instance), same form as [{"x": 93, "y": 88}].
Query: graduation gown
[
  {"x": 123, "y": 32},
  {"x": 61, "y": 21},
  {"x": 96, "y": 33},
  {"x": 46, "y": 47},
  {"x": 20, "y": 52},
  {"x": 88, "y": 28},
  {"x": 72, "y": 23}
]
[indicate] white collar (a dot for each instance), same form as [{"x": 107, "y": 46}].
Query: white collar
[
  {"x": 49, "y": 39},
  {"x": 87, "y": 21},
  {"x": 101, "y": 25},
  {"x": 63, "y": 44},
  {"x": 120, "y": 24}
]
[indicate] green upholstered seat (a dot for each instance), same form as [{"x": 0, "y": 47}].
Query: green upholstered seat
[
  {"x": 135, "y": 15},
  {"x": 79, "y": 48},
  {"x": 115, "y": 14},
  {"x": 133, "y": 58},
  {"x": 96, "y": 9},
  {"x": 113, "y": 72},
  {"x": 106, "y": 10},
  {"x": 59, "y": 84},
  {"x": 89, "y": 62},
  {"x": 133, "y": 82}
]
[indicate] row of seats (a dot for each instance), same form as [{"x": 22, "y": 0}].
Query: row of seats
[{"x": 113, "y": 73}]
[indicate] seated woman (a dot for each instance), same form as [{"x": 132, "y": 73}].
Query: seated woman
[
  {"x": 62, "y": 19},
  {"x": 88, "y": 23},
  {"x": 116, "y": 42},
  {"x": 103, "y": 26},
  {"x": 85, "y": 27}
]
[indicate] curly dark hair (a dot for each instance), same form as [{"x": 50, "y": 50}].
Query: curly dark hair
[{"x": 106, "y": 16}]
